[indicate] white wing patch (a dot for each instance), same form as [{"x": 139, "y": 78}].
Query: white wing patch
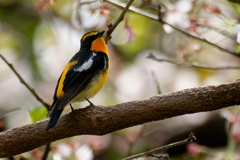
[{"x": 86, "y": 65}]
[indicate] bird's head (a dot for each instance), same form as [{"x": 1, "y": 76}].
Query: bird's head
[{"x": 92, "y": 40}]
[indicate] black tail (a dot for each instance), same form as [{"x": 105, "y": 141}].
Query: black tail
[{"x": 55, "y": 115}]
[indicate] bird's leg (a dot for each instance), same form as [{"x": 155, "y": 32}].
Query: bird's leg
[
  {"x": 91, "y": 104},
  {"x": 71, "y": 107}
]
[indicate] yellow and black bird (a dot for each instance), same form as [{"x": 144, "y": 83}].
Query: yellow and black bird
[{"x": 83, "y": 77}]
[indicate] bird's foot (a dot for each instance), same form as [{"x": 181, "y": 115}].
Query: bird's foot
[
  {"x": 71, "y": 107},
  {"x": 91, "y": 104}
]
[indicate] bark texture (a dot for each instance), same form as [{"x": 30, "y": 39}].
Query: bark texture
[{"x": 100, "y": 120}]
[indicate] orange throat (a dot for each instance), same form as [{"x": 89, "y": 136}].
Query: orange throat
[{"x": 99, "y": 45}]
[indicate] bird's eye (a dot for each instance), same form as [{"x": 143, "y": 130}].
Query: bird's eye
[{"x": 87, "y": 39}]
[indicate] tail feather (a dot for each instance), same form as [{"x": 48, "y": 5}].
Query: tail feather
[{"x": 55, "y": 115}]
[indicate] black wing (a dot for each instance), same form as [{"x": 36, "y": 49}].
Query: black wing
[{"x": 76, "y": 81}]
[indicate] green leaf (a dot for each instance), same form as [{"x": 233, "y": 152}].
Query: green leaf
[
  {"x": 238, "y": 48},
  {"x": 38, "y": 113}
]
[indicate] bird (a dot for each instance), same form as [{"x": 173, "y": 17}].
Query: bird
[{"x": 83, "y": 77}]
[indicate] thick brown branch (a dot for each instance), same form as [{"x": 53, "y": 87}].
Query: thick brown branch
[
  {"x": 184, "y": 32},
  {"x": 25, "y": 83},
  {"x": 100, "y": 120}
]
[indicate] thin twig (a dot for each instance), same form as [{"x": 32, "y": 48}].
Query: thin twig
[
  {"x": 157, "y": 18},
  {"x": 156, "y": 83},
  {"x": 25, "y": 84},
  {"x": 220, "y": 31},
  {"x": 46, "y": 151},
  {"x": 120, "y": 18},
  {"x": 132, "y": 143},
  {"x": 191, "y": 138},
  {"x": 195, "y": 65},
  {"x": 128, "y": 141},
  {"x": 3, "y": 113},
  {"x": 164, "y": 156}
]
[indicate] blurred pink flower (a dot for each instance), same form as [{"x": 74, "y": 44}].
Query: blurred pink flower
[
  {"x": 84, "y": 152},
  {"x": 196, "y": 47},
  {"x": 92, "y": 10},
  {"x": 1, "y": 124},
  {"x": 64, "y": 150},
  {"x": 21, "y": 156},
  {"x": 235, "y": 131},
  {"x": 236, "y": 30},
  {"x": 104, "y": 11},
  {"x": 194, "y": 149},
  {"x": 95, "y": 143},
  {"x": 182, "y": 51},
  {"x": 74, "y": 145},
  {"x": 212, "y": 8},
  {"x": 42, "y": 3},
  {"x": 177, "y": 15},
  {"x": 228, "y": 115},
  {"x": 129, "y": 31},
  {"x": 37, "y": 154}
]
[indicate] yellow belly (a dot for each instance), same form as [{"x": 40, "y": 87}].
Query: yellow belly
[{"x": 93, "y": 87}]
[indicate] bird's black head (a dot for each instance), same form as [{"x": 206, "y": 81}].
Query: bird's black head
[{"x": 89, "y": 37}]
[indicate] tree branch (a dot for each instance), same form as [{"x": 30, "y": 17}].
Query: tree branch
[
  {"x": 25, "y": 83},
  {"x": 120, "y": 18},
  {"x": 157, "y": 18},
  {"x": 195, "y": 65},
  {"x": 191, "y": 138},
  {"x": 100, "y": 120},
  {"x": 46, "y": 151}
]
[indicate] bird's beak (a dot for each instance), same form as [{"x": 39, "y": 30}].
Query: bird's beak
[{"x": 100, "y": 34}]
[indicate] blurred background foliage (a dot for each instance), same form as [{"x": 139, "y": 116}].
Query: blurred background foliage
[{"x": 40, "y": 36}]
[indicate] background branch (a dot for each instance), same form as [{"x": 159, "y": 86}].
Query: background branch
[
  {"x": 191, "y": 138},
  {"x": 25, "y": 83},
  {"x": 46, "y": 151},
  {"x": 157, "y": 18},
  {"x": 153, "y": 57},
  {"x": 100, "y": 120},
  {"x": 120, "y": 18}
]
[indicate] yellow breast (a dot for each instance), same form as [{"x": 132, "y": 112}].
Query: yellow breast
[{"x": 93, "y": 87}]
